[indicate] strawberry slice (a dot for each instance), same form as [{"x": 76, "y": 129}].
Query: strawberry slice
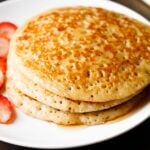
[
  {"x": 6, "y": 110},
  {"x": 2, "y": 79},
  {"x": 4, "y": 46},
  {"x": 7, "y": 29},
  {"x": 2, "y": 71},
  {"x": 3, "y": 65}
]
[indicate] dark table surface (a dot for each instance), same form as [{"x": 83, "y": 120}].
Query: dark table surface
[{"x": 137, "y": 138}]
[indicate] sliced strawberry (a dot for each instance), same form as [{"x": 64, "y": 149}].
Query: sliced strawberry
[
  {"x": 6, "y": 110},
  {"x": 2, "y": 78},
  {"x": 3, "y": 65},
  {"x": 7, "y": 29},
  {"x": 2, "y": 71},
  {"x": 4, "y": 46}
]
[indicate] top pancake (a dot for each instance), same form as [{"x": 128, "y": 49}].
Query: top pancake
[{"x": 84, "y": 53}]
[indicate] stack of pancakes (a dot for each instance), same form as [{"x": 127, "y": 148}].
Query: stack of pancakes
[{"x": 79, "y": 65}]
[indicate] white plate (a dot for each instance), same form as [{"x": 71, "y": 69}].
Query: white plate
[{"x": 30, "y": 132}]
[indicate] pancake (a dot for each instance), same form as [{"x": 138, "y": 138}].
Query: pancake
[
  {"x": 84, "y": 53},
  {"x": 35, "y": 91},
  {"x": 38, "y": 110}
]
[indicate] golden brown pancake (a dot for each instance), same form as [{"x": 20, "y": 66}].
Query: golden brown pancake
[
  {"x": 38, "y": 110},
  {"x": 84, "y": 53},
  {"x": 35, "y": 91}
]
